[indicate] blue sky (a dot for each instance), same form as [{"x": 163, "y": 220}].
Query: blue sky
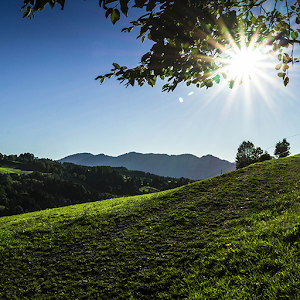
[{"x": 52, "y": 106}]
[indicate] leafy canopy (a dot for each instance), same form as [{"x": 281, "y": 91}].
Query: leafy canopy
[
  {"x": 247, "y": 154},
  {"x": 191, "y": 38},
  {"x": 282, "y": 149}
]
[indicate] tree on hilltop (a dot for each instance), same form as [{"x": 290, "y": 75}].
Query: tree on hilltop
[
  {"x": 265, "y": 156},
  {"x": 282, "y": 149},
  {"x": 190, "y": 37},
  {"x": 247, "y": 154}
]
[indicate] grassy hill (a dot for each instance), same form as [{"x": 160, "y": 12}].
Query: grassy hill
[
  {"x": 28, "y": 185},
  {"x": 14, "y": 167},
  {"x": 235, "y": 236}
]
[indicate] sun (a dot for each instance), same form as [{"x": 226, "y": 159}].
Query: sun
[{"x": 244, "y": 62}]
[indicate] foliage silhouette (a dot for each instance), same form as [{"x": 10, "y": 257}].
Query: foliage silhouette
[
  {"x": 247, "y": 154},
  {"x": 282, "y": 149},
  {"x": 190, "y": 37}
]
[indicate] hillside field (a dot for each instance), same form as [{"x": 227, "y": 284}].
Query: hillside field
[
  {"x": 234, "y": 236},
  {"x": 28, "y": 184},
  {"x": 14, "y": 168}
]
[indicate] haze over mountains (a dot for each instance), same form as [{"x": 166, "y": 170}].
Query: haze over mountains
[{"x": 184, "y": 165}]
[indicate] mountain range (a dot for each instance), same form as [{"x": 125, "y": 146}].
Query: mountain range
[{"x": 183, "y": 165}]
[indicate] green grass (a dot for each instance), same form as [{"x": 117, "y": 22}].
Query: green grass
[
  {"x": 7, "y": 170},
  {"x": 235, "y": 236},
  {"x": 148, "y": 189},
  {"x": 13, "y": 167}
]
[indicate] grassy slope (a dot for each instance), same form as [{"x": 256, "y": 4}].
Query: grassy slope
[
  {"x": 234, "y": 236},
  {"x": 13, "y": 167}
]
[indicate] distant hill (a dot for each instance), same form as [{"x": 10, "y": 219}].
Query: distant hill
[
  {"x": 184, "y": 165},
  {"x": 35, "y": 184}
]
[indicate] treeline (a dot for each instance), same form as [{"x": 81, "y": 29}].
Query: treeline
[
  {"x": 52, "y": 184},
  {"x": 248, "y": 154}
]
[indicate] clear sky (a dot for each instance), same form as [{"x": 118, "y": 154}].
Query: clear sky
[{"x": 52, "y": 106}]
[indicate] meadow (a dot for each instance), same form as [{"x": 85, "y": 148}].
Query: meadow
[
  {"x": 234, "y": 236},
  {"x": 13, "y": 168}
]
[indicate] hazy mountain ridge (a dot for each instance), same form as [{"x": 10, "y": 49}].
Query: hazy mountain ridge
[{"x": 183, "y": 165}]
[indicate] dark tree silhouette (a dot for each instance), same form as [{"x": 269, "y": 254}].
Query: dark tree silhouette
[
  {"x": 247, "y": 154},
  {"x": 282, "y": 149}
]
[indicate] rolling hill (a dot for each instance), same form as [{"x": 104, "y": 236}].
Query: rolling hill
[
  {"x": 184, "y": 165},
  {"x": 31, "y": 185},
  {"x": 234, "y": 236}
]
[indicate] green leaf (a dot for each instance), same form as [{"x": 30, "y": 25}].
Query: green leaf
[
  {"x": 279, "y": 56},
  {"x": 108, "y": 75},
  {"x": 115, "y": 16},
  {"x": 285, "y": 67},
  {"x": 281, "y": 74},
  {"x": 253, "y": 19},
  {"x": 286, "y": 81},
  {"x": 217, "y": 79},
  {"x": 165, "y": 87},
  {"x": 131, "y": 81},
  {"x": 278, "y": 67},
  {"x": 209, "y": 83},
  {"x": 51, "y": 3},
  {"x": 124, "y": 7},
  {"x": 108, "y": 12},
  {"x": 101, "y": 78},
  {"x": 127, "y": 29},
  {"x": 116, "y": 66},
  {"x": 294, "y": 35},
  {"x": 286, "y": 58},
  {"x": 25, "y": 4},
  {"x": 153, "y": 80},
  {"x": 27, "y": 12},
  {"x": 297, "y": 20},
  {"x": 61, "y": 2},
  {"x": 146, "y": 56}
]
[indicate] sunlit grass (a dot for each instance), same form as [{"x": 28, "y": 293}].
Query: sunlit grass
[
  {"x": 15, "y": 167},
  {"x": 232, "y": 236},
  {"x": 8, "y": 170}
]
